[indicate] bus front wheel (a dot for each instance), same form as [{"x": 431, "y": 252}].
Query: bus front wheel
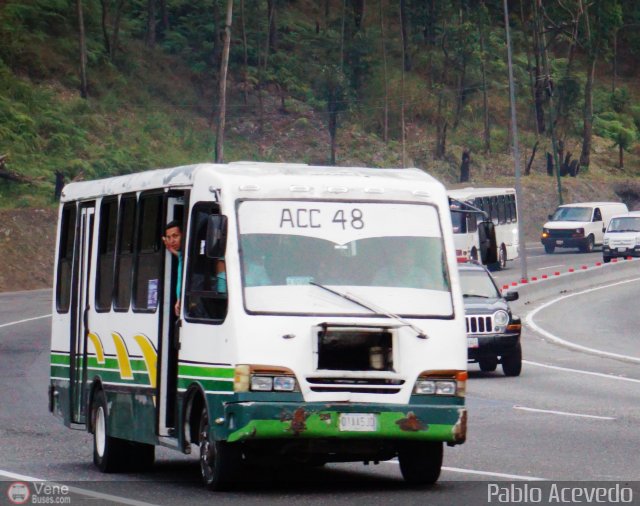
[
  {"x": 219, "y": 461},
  {"x": 420, "y": 463}
]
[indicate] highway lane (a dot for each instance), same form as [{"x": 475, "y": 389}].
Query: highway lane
[
  {"x": 540, "y": 263},
  {"x": 569, "y": 416}
]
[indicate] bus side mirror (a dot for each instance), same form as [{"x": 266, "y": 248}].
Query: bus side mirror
[
  {"x": 550, "y": 216},
  {"x": 216, "y": 236},
  {"x": 604, "y": 229},
  {"x": 488, "y": 244}
]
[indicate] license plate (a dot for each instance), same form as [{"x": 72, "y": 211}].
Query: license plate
[
  {"x": 472, "y": 342},
  {"x": 358, "y": 422},
  {"x": 559, "y": 243},
  {"x": 620, "y": 250}
]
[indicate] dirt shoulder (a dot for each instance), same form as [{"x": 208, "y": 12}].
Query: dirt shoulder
[
  {"x": 27, "y": 246},
  {"x": 27, "y": 236}
]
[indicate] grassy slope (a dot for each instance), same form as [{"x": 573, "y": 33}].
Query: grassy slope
[{"x": 152, "y": 111}]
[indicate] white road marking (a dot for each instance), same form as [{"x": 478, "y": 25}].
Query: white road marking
[
  {"x": 481, "y": 473},
  {"x": 80, "y": 491},
  {"x": 562, "y": 413},
  {"x": 551, "y": 337},
  {"x": 580, "y": 371},
  {"x": 26, "y": 320}
]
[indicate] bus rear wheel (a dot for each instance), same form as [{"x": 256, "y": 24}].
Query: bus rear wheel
[
  {"x": 219, "y": 461},
  {"x": 111, "y": 454},
  {"x": 420, "y": 462}
]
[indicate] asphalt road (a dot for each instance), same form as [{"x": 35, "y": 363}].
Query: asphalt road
[
  {"x": 571, "y": 415},
  {"x": 540, "y": 263}
]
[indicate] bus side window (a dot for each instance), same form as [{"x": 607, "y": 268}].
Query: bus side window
[
  {"x": 502, "y": 211},
  {"x": 206, "y": 291},
  {"x": 106, "y": 253},
  {"x": 149, "y": 254},
  {"x": 65, "y": 258},
  {"x": 124, "y": 255}
]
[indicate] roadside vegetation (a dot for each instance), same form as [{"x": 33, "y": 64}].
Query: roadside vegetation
[{"x": 134, "y": 84}]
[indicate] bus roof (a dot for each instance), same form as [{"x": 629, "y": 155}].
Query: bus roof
[
  {"x": 472, "y": 193},
  {"x": 268, "y": 176}
]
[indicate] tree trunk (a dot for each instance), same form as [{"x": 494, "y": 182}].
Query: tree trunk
[
  {"x": 273, "y": 31},
  {"x": 465, "y": 166},
  {"x": 485, "y": 95},
  {"x": 104, "y": 23},
  {"x": 151, "y": 24},
  {"x": 403, "y": 34},
  {"x": 539, "y": 80},
  {"x": 83, "y": 51},
  {"x": 587, "y": 131},
  {"x": 405, "y": 38},
  {"x": 527, "y": 169},
  {"x": 245, "y": 55},
  {"x": 385, "y": 124},
  {"x": 621, "y": 157},
  {"x": 115, "y": 35},
  {"x": 223, "y": 84},
  {"x": 358, "y": 12}
]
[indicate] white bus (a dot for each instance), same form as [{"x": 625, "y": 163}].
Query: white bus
[
  {"x": 332, "y": 354},
  {"x": 500, "y": 206}
]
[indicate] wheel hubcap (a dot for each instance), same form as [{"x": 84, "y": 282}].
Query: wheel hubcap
[{"x": 100, "y": 432}]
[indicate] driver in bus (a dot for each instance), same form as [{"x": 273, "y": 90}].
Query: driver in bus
[{"x": 402, "y": 271}]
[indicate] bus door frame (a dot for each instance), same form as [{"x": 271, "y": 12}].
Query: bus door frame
[
  {"x": 81, "y": 306},
  {"x": 169, "y": 325}
]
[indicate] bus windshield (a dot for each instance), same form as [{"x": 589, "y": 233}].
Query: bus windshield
[{"x": 391, "y": 254}]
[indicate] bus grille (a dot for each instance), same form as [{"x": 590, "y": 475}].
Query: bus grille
[
  {"x": 356, "y": 385},
  {"x": 480, "y": 324}
]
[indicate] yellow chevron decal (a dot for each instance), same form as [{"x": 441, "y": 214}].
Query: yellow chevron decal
[
  {"x": 150, "y": 356},
  {"x": 123, "y": 356},
  {"x": 97, "y": 345}
]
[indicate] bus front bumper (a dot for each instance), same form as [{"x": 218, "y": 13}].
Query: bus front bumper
[{"x": 246, "y": 421}]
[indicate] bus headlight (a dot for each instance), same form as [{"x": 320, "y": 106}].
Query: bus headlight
[
  {"x": 449, "y": 383},
  {"x": 250, "y": 378}
]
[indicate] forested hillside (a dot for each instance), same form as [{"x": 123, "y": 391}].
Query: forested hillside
[{"x": 91, "y": 89}]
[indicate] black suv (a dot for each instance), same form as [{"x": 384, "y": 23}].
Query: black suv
[{"x": 493, "y": 332}]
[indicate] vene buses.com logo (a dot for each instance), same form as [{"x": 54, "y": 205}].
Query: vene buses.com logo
[{"x": 18, "y": 492}]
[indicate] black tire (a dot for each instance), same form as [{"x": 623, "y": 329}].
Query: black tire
[
  {"x": 502, "y": 257},
  {"x": 111, "y": 454},
  {"x": 488, "y": 364},
  {"x": 512, "y": 362},
  {"x": 220, "y": 461},
  {"x": 588, "y": 247},
  {"x": 549, "y": 248},
  {"x": 606, "y": 260},
  {"x": 420, "y": 462}
]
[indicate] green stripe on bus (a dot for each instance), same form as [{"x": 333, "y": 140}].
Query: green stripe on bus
[
  {"x": 206, "y": 371},
  {"x": 60, "y": 358},
  {"x": 325, "y": 425}
]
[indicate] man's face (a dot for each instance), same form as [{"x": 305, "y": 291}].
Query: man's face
[{"x": 173, "y": 238}]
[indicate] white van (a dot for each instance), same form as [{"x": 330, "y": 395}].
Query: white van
[
  {"x": 622, "y": 237},
  {"x": 579, "y": 225}
]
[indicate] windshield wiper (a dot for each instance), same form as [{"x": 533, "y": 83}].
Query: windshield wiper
[
  {"x": 476, "y": 295},
  {"x": 373, "y": 308}
]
